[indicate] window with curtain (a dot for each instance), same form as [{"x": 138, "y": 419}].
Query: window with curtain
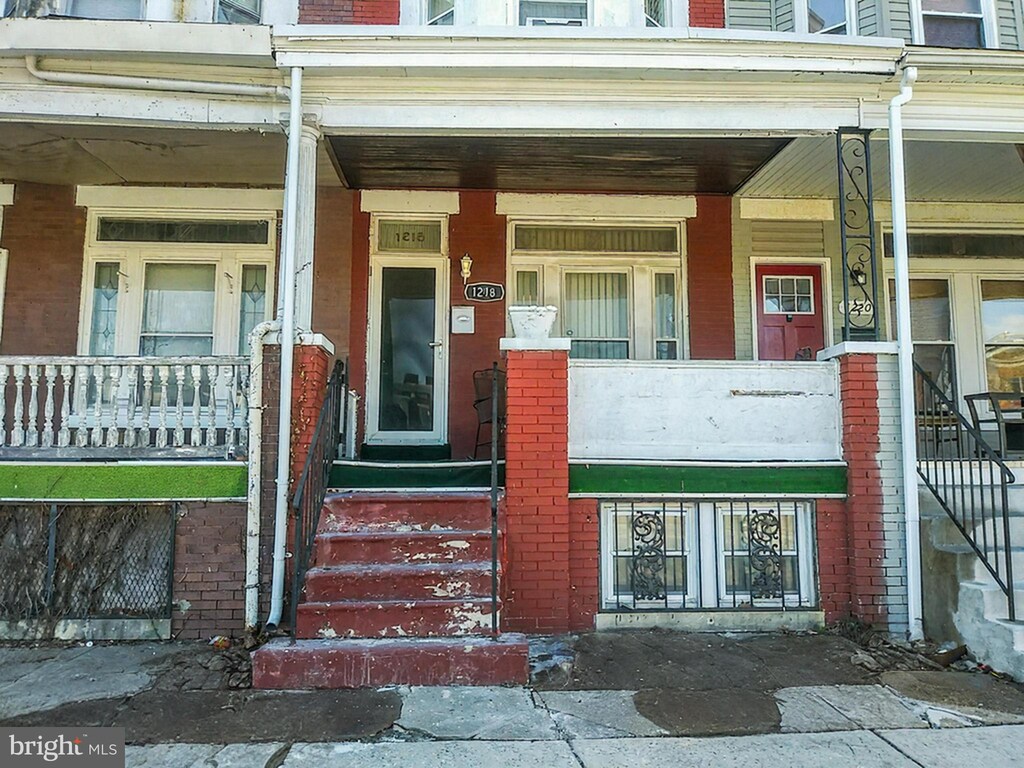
[
  {"x": 666, "y": 335},
  {"x": 546, "y": 13},
  {"x": 931, "y": 328},
  {"x": 953, "y": 23},
  {"x": 1002, "y": 322},
  {"x": 178, "y": 309},
  {"x": 527, "y": 287},
  {"x": 596, "y": 306}
]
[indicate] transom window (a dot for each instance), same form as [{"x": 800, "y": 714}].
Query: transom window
[
  {"x": 548, "y": 13},
  {"x": 786, "y": 295},
  {"x": 953, "y": 23},
  {"x": 618, "y": 288},
  {"x": 162, "y": 288},
  {"x": 674, "y": 555}
]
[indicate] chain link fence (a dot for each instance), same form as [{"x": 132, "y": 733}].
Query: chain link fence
[{"x": 85, "y": 561}]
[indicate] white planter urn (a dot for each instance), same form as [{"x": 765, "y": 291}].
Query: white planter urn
[{"x": 532, "y": 322}]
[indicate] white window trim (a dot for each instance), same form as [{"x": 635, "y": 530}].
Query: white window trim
[
  {"x": 801, "y": 21},
  {"x": 229, "y": 258},
  {"x": 640, "y": 267},
  {"x": 988, "y": 16}
]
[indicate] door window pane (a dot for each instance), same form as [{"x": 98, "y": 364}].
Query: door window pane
[
  {"x": 788, "y": 295},
  {"x": 104, "y": 308},
  {"x": 1002, "y": 322},
  {"x": 253, "y": 308},
  {"x": 406, "y": 354},
  {"x": 597, "y": 314},
  {"x": 178, "y": 309},
  {"x": 665, "y": 344},
  {"x": 826, "y": 17}
]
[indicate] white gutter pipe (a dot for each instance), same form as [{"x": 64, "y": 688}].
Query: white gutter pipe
[
  {"x": 153, "y": 83},
  {"x": 287, "y": 318},
  {"x": 908, "y": 426},
  {"x": 257, "y": 338}
]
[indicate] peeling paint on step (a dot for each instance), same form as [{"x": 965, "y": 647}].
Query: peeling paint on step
[
  {"x": 327, "y": 632},
  {"x": 457, "y": 544}
]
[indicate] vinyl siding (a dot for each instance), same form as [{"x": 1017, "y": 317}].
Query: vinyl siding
[
  {"x": 895, "y": 20},
  {"x": 749, "y": 14},
  {"x": 783, "y": 13},
  {"x": 867, "y": 17}
]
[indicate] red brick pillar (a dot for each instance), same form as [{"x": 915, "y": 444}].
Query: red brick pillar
[
  {"x": 863, "y": 566},
  {"x": 311, "y": 370},
  {"x": 536, "y": 582}
]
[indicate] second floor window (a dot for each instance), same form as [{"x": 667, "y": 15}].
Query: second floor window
[
  {"x": 238, "y": 11},
  {"x": 826, "y": 17},
  {"x": 548, "y": 13},
  {"x": 440, "y": 12},
  {"x": 953, "y": 23},
  {"x": 105, "y": 9},
  {"x": 654, "y": 13}
]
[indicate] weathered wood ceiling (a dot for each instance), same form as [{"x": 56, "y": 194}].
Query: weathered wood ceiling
[{"x": 615, "y": 164}]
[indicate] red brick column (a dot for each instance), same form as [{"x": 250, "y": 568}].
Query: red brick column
[
  {"x": 309, "y": 386},
  {"x": 536, "y": 581}
]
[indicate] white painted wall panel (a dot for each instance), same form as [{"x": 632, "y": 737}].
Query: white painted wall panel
[{"x": 712, "y": 411}]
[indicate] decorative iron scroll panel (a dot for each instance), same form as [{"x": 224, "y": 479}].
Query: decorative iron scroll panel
[
  {"x": 677, "y": 555},
  {"x": 857, "y": 228}
]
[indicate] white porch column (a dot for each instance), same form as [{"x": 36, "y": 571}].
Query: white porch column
[{"x": 305, "y": 227}]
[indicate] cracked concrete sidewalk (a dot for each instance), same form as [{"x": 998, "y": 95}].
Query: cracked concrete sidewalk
[{"x": 628, "y": 698}]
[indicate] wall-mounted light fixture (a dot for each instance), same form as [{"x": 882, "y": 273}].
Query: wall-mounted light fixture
[
  {"x": 859, "y": 275},
  {"x": 467, "y": 268}
]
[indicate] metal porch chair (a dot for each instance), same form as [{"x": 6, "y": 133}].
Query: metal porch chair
[{"x": 1009, "y": 431}]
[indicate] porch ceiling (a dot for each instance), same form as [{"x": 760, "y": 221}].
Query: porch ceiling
[
  {"x": 80, "y": 154},
  {"x": 937, "y": 171},
  {"x": 553, "y": 163}
]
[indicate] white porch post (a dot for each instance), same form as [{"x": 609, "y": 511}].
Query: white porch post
[
  {"x": 305, "y": 226},
  {"x": 908, "y": 426}
]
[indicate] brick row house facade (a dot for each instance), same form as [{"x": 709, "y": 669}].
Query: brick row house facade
[{"x": 400, "y": 331}]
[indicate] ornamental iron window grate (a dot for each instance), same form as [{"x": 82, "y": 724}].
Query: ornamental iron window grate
[
  {"x": 678, "y": 555},
  {"x": 86, "y": 561}
]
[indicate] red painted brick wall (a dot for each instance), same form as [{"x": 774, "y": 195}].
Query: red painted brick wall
[
  {"x": 537, "y": 493},
  {"x": 309, "y": 387},
  {"x": 858, "y": 376},
  {"x": 360, "y": 308},
  {"x": 709, "y": 279},
  {"x": 584, "y": 563},
  {"x": 44, "y": 233},
  {"x": 348, "y": 11},
  {"x": 332, "y": 267},
  {"x": 833, "y": 558},
  {"x": 209, "y": 571},
  {"x": 707, "y": 13},
  {"x": 480, "y": 232}
]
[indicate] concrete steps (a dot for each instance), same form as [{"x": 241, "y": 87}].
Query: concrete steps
[
  {"x": 399, "y": 593},
  {"x": 980, "y": 618}
]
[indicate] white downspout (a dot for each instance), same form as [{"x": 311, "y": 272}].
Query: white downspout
[
  {"x": 253, "y": 496},
  {"x": 908, "y": 426},
  {"x": 153, "y": 83},
  {"x": 287, "y": 319}
]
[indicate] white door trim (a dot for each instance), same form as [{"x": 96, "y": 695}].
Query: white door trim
[{"x": 439, "y": 435}]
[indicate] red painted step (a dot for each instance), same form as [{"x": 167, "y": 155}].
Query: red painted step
[
  {"x": 392, "y": 581},
  {"x": 391, "y": 511},
  {"x": 456, "y": 546},
  {"x": 394, "y": 618},
  {"x": 305, "y": 664}
]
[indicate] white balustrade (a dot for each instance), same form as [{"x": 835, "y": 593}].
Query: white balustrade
[{"x": 123, "y": 406}]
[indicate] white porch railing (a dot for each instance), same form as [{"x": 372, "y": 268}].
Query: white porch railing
[
  {"x": 704, "y": 410},
  {"x": 98, "y": 407}
]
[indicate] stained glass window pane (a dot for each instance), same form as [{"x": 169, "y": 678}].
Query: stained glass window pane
[
  {"x": 253, "y": 307},
  {"x": 104, "y": 308}
]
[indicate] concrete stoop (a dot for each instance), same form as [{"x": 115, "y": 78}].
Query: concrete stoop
[
  {"x": 981, "y": 610},
  {"x": 399, "y": 593}
]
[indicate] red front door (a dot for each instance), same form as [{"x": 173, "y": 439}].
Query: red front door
[{"x": 790, "y": 311}]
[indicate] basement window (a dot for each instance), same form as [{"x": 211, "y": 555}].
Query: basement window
[{"x": 732, "y": 554}]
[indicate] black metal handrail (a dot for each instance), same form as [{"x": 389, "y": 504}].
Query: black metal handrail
[
  {"x": 967, "y": 477},
  {"x": 495, "y": 434},
  {"x": 311, "y": 489}
]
